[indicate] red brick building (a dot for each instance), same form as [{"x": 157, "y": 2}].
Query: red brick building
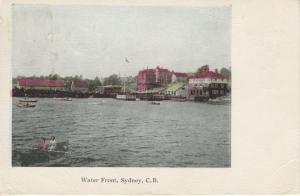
[
  {"x": 40, "y": 84},
  {"x": 150, "y": 78},
  {"x": 163, "y": 76},
  {"x": 146, "y": 79}
]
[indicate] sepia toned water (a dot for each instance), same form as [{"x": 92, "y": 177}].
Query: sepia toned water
[{"x": 114, "y": 133}]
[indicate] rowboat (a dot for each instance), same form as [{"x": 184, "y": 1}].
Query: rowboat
[
  {"x": 155, "y": 103},
  {"x": 67, "y": 99},
  {"x": 25, "y": 105},
  {"x": 28, "y": 100},
  {"x": 31, "y": 156}
]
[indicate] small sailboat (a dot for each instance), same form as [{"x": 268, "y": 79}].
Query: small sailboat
[{"x": 125, "y": 96}]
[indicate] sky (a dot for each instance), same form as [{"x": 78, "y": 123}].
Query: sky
[{"x": 96, "y": 40}]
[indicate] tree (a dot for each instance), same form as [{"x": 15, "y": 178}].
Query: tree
[
  {"x": 54, "y": 77},
  {"x": 14, "y": 81},
  {"x": 68, "y": 81},
  {"x": 112, "y": 80},
  {"x": 201, "y": 69},
  {"x": 226, "y": 72},
  {"x": 94, "y": 84},
  {"x": 130, "y": 79}
]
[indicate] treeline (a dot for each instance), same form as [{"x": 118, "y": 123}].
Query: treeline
[
  {"x": 93, "y": 84},
  {"x": 47, "y": 93}
]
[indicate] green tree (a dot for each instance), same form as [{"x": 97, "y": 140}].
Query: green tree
[
  {"x": 226, "y": 72},
  {"x": 94, "y": 84},
  {"x": 201, "y": 69},
  {"x": 53, "y": 77},
  {"x": 68, "y": 81},
  {"x": 112, "y": 80},
  {"x": 14, "y": 80}
]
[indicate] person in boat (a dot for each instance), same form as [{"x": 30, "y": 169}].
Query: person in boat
[
  {"x": 43, "y": 145},
  {"x": 52, "y": 143}
]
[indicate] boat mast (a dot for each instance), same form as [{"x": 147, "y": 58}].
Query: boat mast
[{"x": 124, "y": 84}]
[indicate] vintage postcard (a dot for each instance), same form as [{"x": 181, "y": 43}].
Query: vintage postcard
[
  {"x": 149, "y": 98},
  {"x": 144, "y": 86}
]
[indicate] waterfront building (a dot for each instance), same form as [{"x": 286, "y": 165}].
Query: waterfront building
[
  {"x": 80, "y": 86},
  {"x": 178, "y": 89},
  {"x": 151, "y": 78},
  {"x": 146, "y": 79},
  {"x": 162, "y": 76},
  {"x": 179, "y": 77},
  {"x": 110, "y": 89},
  {"x": 40, "y": 84},
  {"x": 207, "y": 84}
]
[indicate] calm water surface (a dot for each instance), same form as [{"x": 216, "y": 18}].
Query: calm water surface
[{"x": 114, "y": 133}]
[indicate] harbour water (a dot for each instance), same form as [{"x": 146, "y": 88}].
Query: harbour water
[{"x": 115, "y": 133}]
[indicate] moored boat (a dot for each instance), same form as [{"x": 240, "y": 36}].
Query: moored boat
[
  {"x": 63, "y": 98},
  {"x": 155, "y": 103},
  {"x": 126, "y": 97},
  {"x": 178, "y": 99},
  {"x": 67, "y": 99},
  {"x": 220, "y": 100},
  {"x": 25, "y": 105},
  {"x": 28, "y": 100}
]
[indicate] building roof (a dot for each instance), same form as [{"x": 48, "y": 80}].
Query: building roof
[
  {"x": 80, "y": 83},
  {"x": 112, "y": 86},
  {"x": 206, "y": 73},
  {"x": 179, "y": 74},
  {"x": 175, "y": 86},
  {"x": 153, "y": 90},
  {"x": 146, "y": 70},
  {"x": 162, "y": 69},
  {"x": 28, "y": 82}
]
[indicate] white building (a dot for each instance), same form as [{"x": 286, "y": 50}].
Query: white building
[{"x": 177, "y": 90}]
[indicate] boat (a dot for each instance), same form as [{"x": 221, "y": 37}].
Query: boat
[
  {"x": 67, "y": 99},
  {"x": 63, "y": 98},
  {"x": 220, "y": 100},
  {"x": 158, "y": 97},
  {"x": 126, "y": 97},
  {"x": 28, "y": 100},
  {"x": 155, "y": 103},
  {"x": 25, "y": 105},
  {"x": 178, "y": 99},
  {"x": 30, "y": 156}
]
